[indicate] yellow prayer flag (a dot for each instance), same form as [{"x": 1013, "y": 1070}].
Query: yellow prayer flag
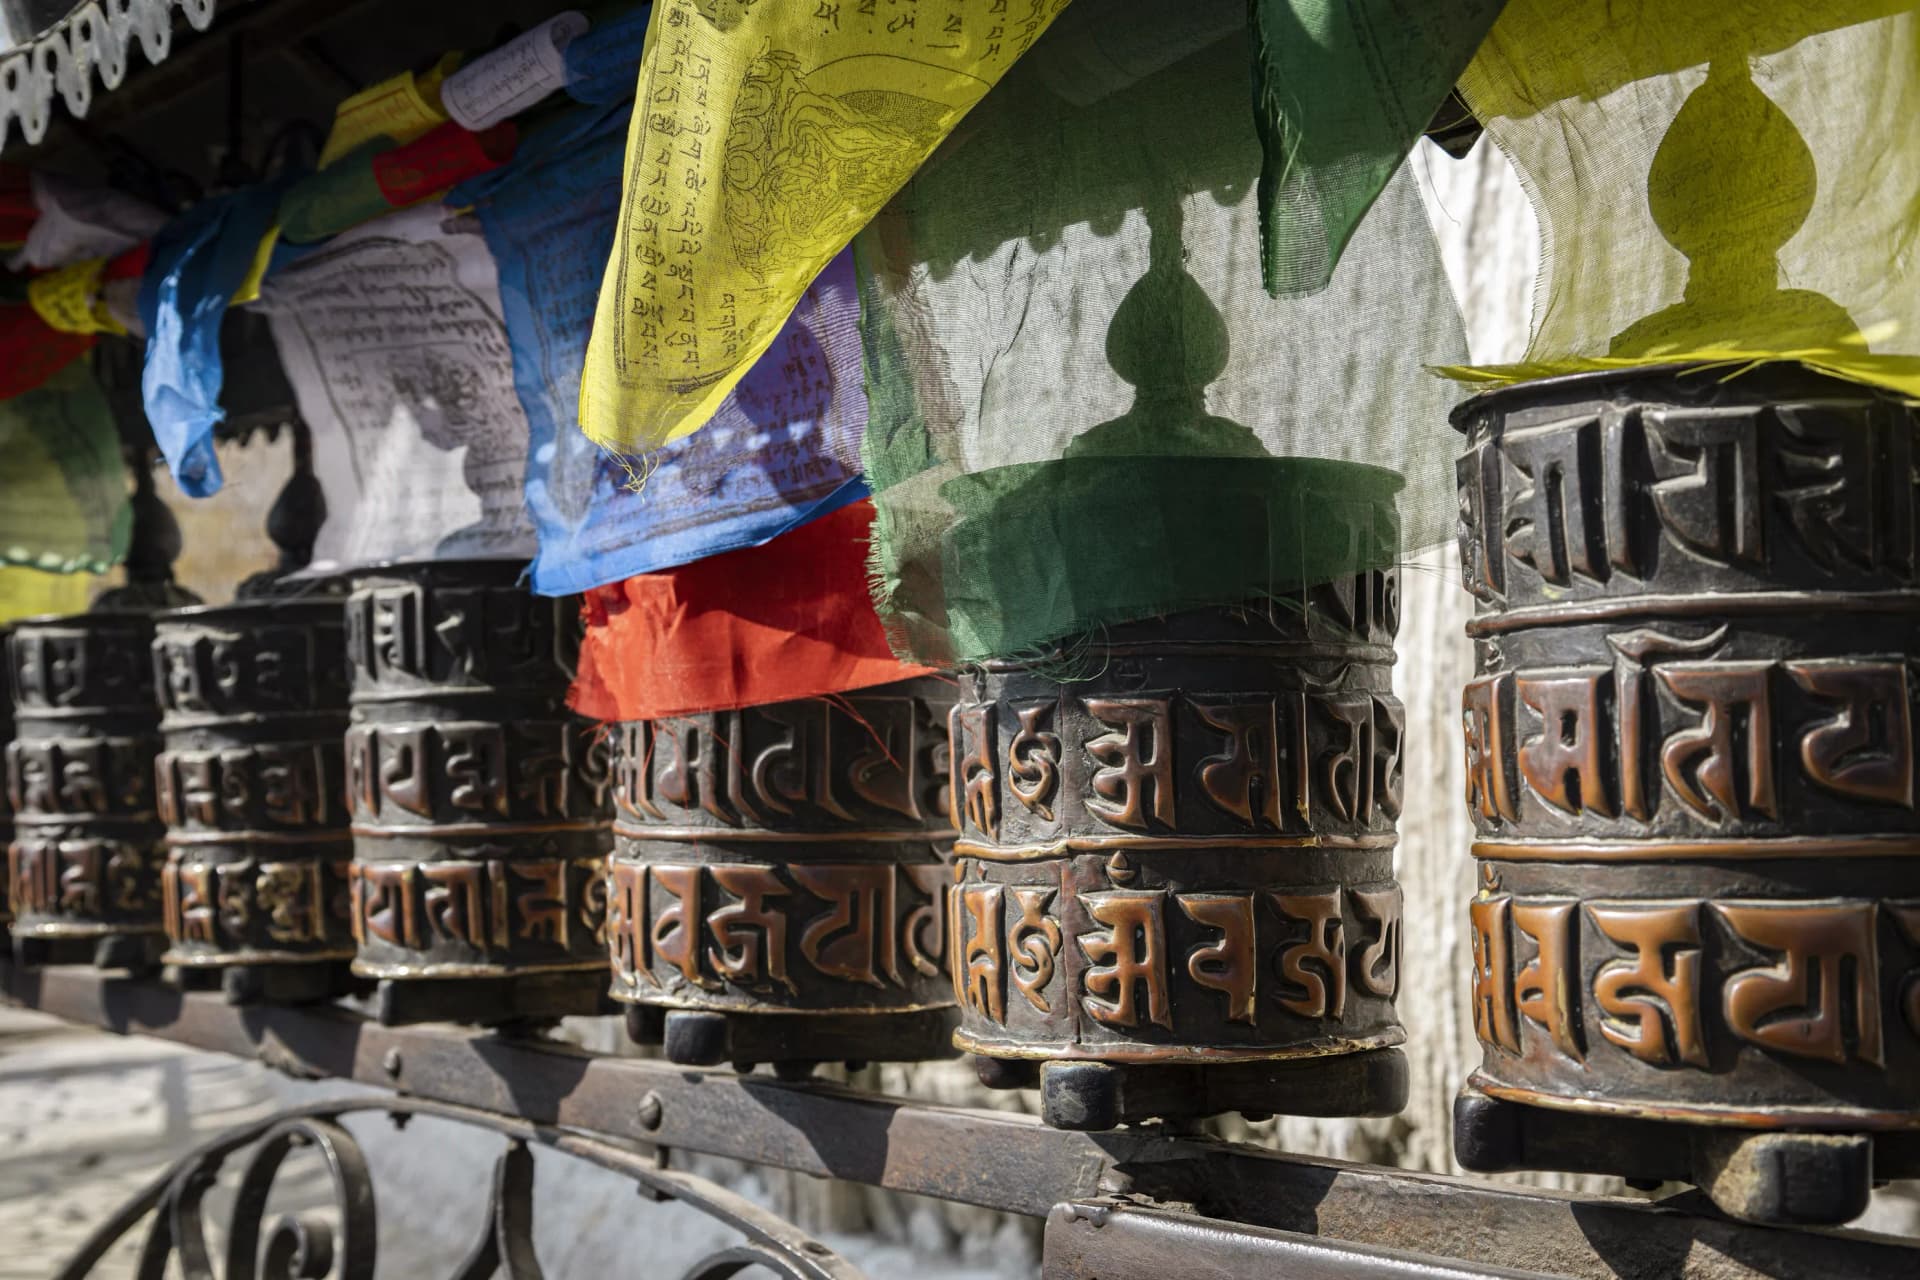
[
  {"x": 763, "y": 137},
  {"x": 401, "y": 108},
  {"x": 68, "y": 298},
  {"x": 28, "y": 593},
  {"x": 1716, "y": 183}
]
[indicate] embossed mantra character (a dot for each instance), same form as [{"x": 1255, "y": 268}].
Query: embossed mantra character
[
  {"x": 477, "y": 890},
  {"x": 252, "y": 789},
  {"x": 83, "y": 871},
  {"x": 778, "y": 887},
  {"x": 1173, "y": 885},
  {"x": 1690, "y": 767}
]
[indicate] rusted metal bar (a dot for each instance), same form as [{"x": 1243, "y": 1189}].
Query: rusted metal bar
[{"x": 993, "y": 1159}]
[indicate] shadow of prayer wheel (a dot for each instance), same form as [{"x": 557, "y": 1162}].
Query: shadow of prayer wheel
[
  {"x": 1173, "y": 884},
  {"x": 778, "y": 881},
  {"x": 479, "y": 802},
  {"x": 251, "y": 786},
  {"x": 1690, "y": 767},
  {"x": 83, "y": 872}
]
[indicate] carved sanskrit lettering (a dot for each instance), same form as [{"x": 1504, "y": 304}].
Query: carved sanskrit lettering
[
  {"x": 1702, "y": 765},
  {"x": 1133, "y": 788},
  {"x": 1782, "y": 1006},
  {"x": 1032, "y": 944},
  {"x": 977, "y": 960},
  {"x": 750, "y": 938},
  {"x": 386, "y": 905},
  {"x": 1708, "y": 493},
  {"x": 1244, "y": 779},
  {"x": 1378, "y": 970},
  {"x": 1482, "y": 566},
  {"x": 854, "y": 938},
  {"x": 970, "y": 730},
  {"x": 1347, "y": 765},
  {"x": 1866, "y": 748},
  {"x": 197, "y": 919},
  {"x": 454, "y": 902},
  {"x": 627, "y": 919},
  {"x": 887, "y": 771},
  {"x": 1549, "y": 522},
  {"x": 1543, "y": 992},
  {"x": 675, "y": 932},
  {"x": 1846, "y": 481},
  {"x": 923, "y": 933},
  {"x": 1634, "y": 653},
  {"x": 1033, "y": 759},
  {"x": 293, "y": 896},
  {"x": 1128, "y": 957},
  {"x": 476, "y": 766},
  {"x": 1317, "y": 965},
  {"x": 402, "y": 753},
  {"x": 1565, "y": 763},
  {"x": 1650, "y": 1003},
  {"x": 1389, "y": 733},
  {"x": 1493, "y": 1021},
  {"x": 1228, "y": 964},
  {"x": 541, "y": 911},
  {"x": 1485, "y": 707},
  {"x": 1907, "y": 916},
  {"x": 633, "y": 770}
]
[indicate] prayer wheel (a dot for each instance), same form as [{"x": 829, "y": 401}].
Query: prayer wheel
[
  {"x": 777, "y": 881},
  {"x": 478, "y": 801},
  {"x": 1173, "y": 884},
  {"x": 251, "y": 786},
  {"x": 6, "y": 809},
  {"x": 1690, "y": 767},
  {"x": 83, "y": 871}
]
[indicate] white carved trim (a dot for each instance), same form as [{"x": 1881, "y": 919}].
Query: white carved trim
[{"x": 96, "y": 38}]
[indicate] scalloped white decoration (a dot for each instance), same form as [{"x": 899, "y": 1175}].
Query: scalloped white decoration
[{"x": 96, "y": 38}]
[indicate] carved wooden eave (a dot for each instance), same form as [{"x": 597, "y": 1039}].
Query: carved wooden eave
[{"x": 96, "y": 40}]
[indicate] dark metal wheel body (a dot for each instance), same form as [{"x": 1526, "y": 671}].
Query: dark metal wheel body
[
  {"x": 6, "y": 804},
  {"x": 1173, "y": 883},
  {"x": 84, "y": 868},
  {"x": 1690, "y": 766},
  {"x": 251, "y": 786},
  {"x": 777, "y": 884},
  {"x": 479, "y": 802}
]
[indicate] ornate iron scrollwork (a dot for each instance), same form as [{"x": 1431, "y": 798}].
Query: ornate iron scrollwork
[
  {"x": 343, "y": 1244},
  {"x": 96, "y": 37}
]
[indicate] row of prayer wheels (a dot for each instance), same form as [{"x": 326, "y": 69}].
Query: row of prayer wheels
[{"x": 1157, "y": 886}]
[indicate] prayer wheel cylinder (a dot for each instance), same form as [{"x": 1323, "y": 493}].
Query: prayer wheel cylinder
[
  {"x": 83, "y": 871},
  {"x": 479, "y": 802},
  {"x": 1690, "y": 768},
  {"x": 778, "y": 882},
  {"x": 251, "y": 786},
  {"x": 6, "y": 806},
  {"x": 1173, "y": 883}
]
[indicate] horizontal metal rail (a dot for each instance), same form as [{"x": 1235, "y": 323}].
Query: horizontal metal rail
[{"x": 986, "y": 1158}]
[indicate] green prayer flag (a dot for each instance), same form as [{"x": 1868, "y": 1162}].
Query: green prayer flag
[
  {"x": 63, "y": 486},
  {"x": 1342, "y": 91}
]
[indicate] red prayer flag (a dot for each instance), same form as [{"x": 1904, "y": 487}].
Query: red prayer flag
[
  {"x": 791, "y": 618},
  {"x": 31, "y": 350},
  {"x": 439, "y": 158}
]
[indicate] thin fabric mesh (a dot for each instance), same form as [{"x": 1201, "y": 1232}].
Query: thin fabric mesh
[
  {"x": 1085, "y": 408},
  {"x": 1717, "y": 181}
]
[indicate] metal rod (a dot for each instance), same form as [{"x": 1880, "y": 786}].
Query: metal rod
[{"x": 992, "y": 1159}]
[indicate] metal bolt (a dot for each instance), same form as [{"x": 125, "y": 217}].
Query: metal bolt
[
  {"x": 1114, "y": 1182},
  {"x": 391, "y": 1063},
  {"x": 650, "y": 1111}
]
